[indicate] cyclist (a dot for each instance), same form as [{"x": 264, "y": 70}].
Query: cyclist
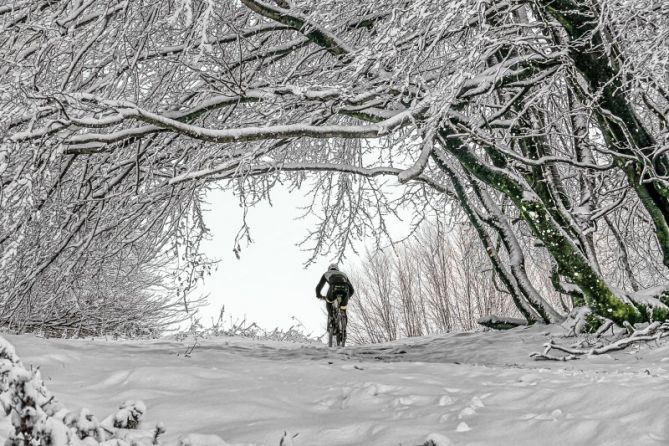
[{"x": 338, "y": 286}]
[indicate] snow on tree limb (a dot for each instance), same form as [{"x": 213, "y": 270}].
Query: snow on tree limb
[
  {"x": 313, "y": 31},
  {"x": 245, "y": 134},
  {"x": 417, "y": 168},
  {"x": 554, "y": 111}
]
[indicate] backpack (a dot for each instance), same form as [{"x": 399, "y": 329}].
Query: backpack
[{"x": 338, "y": 284}]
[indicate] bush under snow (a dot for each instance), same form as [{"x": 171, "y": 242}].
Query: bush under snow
[{"x": 39, "y": 419}]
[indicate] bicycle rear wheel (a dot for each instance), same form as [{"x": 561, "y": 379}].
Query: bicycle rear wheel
[
  {"x": 334, "y": 325},
  {"x": 341, "y": 329}
]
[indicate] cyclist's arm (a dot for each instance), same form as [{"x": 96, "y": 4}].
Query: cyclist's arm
[{"x": 320, "y": 286}]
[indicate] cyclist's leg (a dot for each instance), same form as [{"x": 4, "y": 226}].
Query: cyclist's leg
[
  {"x": 335, "y": 313},
  {"x": 344, "y": 303},
  {"x": 344, "y": 318},
  {"x": 337, "y": 321},
  {"x": 330, "y": 324},
  {"x": 329, "y": 307}
]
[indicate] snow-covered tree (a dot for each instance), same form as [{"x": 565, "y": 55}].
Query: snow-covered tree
[
  {"x": 544, "y": 122},
  {"x": 436, "y": 282}
]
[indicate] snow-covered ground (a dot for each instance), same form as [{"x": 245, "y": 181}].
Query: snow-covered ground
[{"x": 460, "y": 389}]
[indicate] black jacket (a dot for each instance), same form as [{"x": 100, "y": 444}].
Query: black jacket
[{"x": 326, "y": 279}]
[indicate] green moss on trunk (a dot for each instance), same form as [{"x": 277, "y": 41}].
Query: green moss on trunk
[{"x": 570, "y": 259}]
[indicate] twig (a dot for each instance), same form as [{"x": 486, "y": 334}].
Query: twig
[{"x": 653, "y": 332}]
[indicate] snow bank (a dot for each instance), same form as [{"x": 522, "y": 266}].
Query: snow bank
[{"x": 456, "y": 389}]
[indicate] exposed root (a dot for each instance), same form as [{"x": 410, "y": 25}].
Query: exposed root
[
  {"x": 582, "y": 320},
  {"x": 577, "y": 321},
  {"x": 608, "y": 324},
  {"x": 653, "y": 332}
]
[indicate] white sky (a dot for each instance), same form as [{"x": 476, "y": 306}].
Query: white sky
[{"x": 269, "y": 284}]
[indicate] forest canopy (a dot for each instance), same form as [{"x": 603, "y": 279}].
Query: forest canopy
[{"x": 542, "y": 124}]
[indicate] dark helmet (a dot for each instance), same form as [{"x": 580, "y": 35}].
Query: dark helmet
[{"x": 333, "y": 267}]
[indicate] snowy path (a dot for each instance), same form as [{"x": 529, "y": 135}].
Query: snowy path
[{"x": 474, "y": 389}]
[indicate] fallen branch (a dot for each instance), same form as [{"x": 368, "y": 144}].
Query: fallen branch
[
  {"x": 653, "y": 332},
  {"x": 501, "y": 323}
]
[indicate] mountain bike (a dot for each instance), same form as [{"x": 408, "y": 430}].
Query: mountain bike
[{"x": 337, "y": 324}]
